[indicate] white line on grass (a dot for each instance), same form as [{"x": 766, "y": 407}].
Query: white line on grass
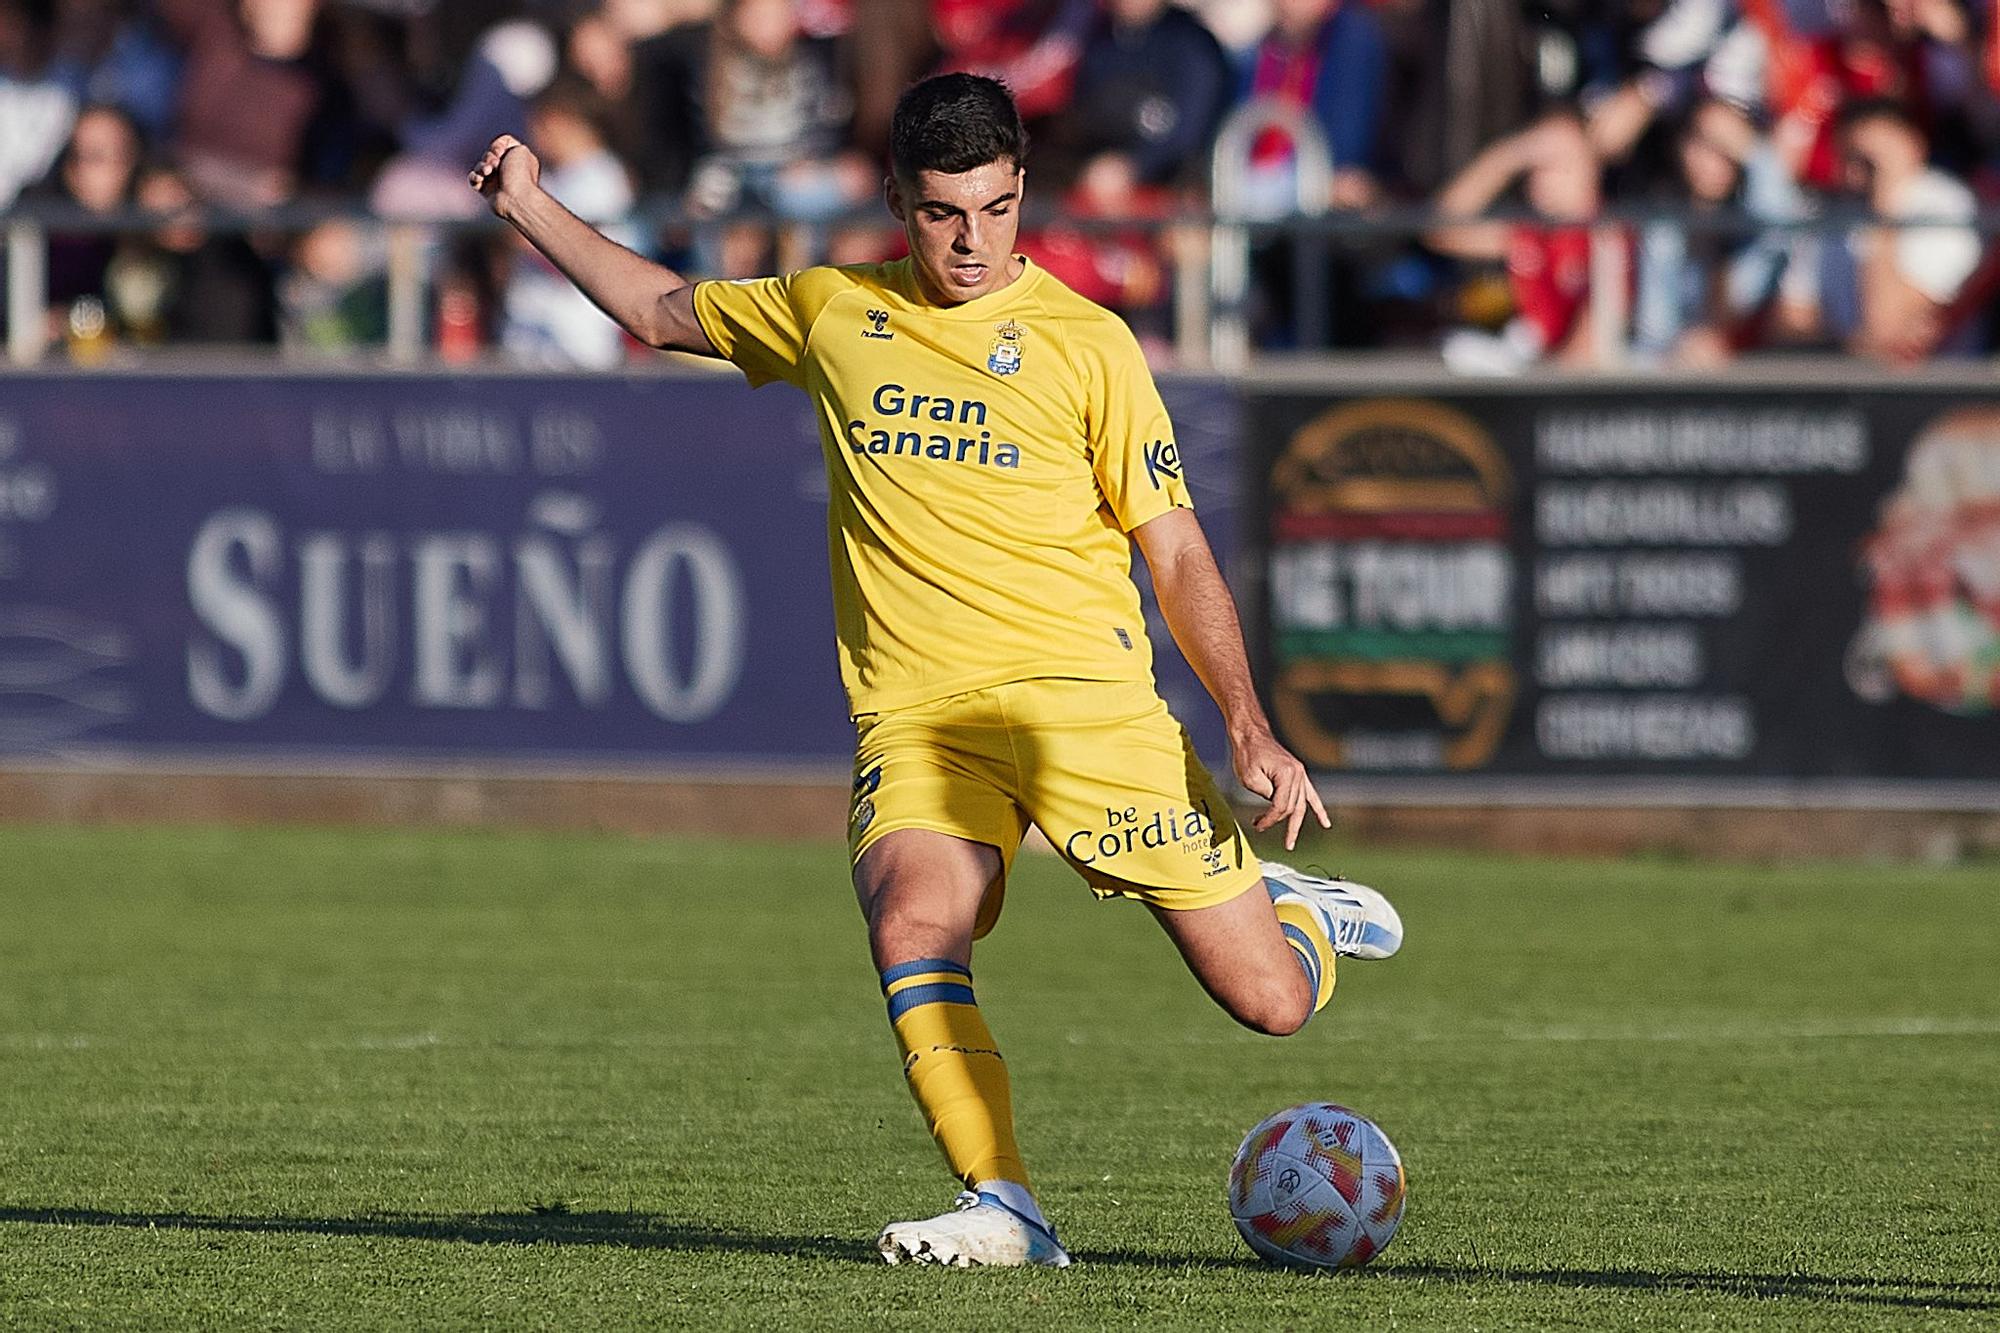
[
  {"x": 1920, "y": 1026},
  {"x": 1741, "y": 1031}
]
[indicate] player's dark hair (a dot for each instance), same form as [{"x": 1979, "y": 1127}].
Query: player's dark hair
[{"x": 954, "y": 123}]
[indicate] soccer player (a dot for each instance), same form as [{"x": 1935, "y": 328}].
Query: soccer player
[{"x": 994, "y": 444}]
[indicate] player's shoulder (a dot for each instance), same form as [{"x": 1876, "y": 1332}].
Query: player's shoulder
[
  {"x": 1062, "y": 302},
  {"x": 824, "y": 282},
  {"x": 1088, "y": 329}
]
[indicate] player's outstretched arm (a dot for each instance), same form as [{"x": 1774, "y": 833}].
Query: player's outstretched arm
[
  {"x": 1202, "y": 616},
  {"x": 649, "y": 301}
]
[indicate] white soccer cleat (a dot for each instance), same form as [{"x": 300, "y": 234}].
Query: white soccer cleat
[
  {"x": 1358, "y": 920},
  {"x": 978, "y": 1232}
]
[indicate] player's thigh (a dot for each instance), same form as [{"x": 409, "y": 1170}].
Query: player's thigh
[
  {"x": 931, "y": 791},
  {"x": 922, "y": 892},
  {"x": 1113, "y": 781}
]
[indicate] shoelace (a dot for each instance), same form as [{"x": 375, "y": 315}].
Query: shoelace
[{"x": 1345, "y": 914}]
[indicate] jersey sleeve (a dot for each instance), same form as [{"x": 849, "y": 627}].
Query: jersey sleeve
[
  {"x": 756, "y": 325},
  {"x": 1128, "y": 432}
]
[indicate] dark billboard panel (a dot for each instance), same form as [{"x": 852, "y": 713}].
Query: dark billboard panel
[{"x": 1635, "y": 582}]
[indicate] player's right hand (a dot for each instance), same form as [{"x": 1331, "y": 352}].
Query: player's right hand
[
  {"x": 1268, "y": 769},
  {"x": 507, "y": 170}
]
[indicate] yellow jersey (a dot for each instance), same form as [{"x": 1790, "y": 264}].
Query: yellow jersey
[{"x": 985, "y": 462}]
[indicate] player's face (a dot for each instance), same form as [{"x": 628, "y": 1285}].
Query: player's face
[{"x": 961, "y": 228}]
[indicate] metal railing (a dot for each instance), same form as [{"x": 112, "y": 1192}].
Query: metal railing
[
  {"x": 1310, "y": 178},
  {"x": 1209, "y": 294}
]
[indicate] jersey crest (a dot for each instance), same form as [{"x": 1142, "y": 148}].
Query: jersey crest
[{"x": 1004, "y": 356}]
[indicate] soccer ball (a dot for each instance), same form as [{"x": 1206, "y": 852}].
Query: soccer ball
[{"x": 1317, "y": 1186}]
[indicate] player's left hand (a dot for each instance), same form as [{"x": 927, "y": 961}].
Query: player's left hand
[{"x": 1268, "y": 769}]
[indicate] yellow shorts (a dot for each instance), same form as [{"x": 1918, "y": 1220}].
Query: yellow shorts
[{"x": 1100, "y": 767}]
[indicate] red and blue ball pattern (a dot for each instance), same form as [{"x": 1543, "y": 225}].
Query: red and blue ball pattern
[{"x": 1317, "y": 1186}]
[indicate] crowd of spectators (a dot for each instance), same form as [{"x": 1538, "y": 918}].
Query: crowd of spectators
[{"x": 1749, "y": 166}]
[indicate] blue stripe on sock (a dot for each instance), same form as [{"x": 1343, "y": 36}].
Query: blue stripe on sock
[
  {"x": 918, "y": 967},
  {"x": 938, "y": 992},
  {"x": 1000, "y": 1203},
  {"x": 1308, "y": 956}
]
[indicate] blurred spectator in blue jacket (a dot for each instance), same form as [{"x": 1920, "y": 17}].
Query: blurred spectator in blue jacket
[
  {"x": 1329, "y": 60},
  {"x": 1152, "y": 85},
  {"x": 1701, "y": 291},
  {"x": 109, "y": 52},
  {"x": 512, "y": 63}
]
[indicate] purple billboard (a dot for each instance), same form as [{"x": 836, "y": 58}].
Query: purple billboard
[{"x": 411, "y": 567}]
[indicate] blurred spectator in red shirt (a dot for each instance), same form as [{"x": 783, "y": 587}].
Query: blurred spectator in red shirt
[
  {"x": 1911, "y": 50},
  {"x": 1030, "y": 45},
  {"x": 1118, "y": 268},
  {"x": 1150, "y": 89},
  {"x": 1548, "y": 266}
]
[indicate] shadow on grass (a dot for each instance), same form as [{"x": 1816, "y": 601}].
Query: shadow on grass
[
  {"x": 1909, "y": 1292},
  {"x": 641, "y": 1231},
  {"x": 634, "y": 1231}
]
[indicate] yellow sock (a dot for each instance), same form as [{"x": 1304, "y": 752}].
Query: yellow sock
[
  {"x": 1307, "y": 935},
  {"x": 954, "y": 1070}
]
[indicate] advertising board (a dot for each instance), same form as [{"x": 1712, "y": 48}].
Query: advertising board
[
  {"x": 1635, "y": 583},
  {"x": 296, "y": 569}
]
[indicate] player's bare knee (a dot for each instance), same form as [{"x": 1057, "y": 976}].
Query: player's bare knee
[
  {"x": 1278, "y": 1022},
  {"x": 1276, "y": 1010},
  {"x": 905, "y": 926}
]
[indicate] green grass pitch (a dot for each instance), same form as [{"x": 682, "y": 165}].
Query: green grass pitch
[{"x": 332, "y": 1079}]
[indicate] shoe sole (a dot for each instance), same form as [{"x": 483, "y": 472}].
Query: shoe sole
[{"x": 897, "y": 1251}]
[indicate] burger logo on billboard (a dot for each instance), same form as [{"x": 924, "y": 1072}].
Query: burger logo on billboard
[
  {"x": 1932, "y": 629},
  {"x": 1391, "y": 589}
]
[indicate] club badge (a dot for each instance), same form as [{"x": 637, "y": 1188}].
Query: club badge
[
  {"x": 864, "y": 804},
  {"x": 1004, "y": 356}
]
